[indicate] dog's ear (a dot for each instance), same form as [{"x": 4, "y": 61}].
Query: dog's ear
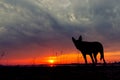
[{"x": 80, "y": 38}]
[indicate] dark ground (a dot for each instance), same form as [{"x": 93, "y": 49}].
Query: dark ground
[{"x": 61, "y": 72}]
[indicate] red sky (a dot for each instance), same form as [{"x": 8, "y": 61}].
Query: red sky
[{"x": 58, "y": 58}]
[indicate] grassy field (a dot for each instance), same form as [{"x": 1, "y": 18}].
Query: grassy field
[{"x": 60, "y": 72}]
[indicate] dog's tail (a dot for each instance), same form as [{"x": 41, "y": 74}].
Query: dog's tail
[{"x": 101, "y": 55}]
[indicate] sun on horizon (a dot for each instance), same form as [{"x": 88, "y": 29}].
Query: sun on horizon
[{"x": 51, "y": 60}]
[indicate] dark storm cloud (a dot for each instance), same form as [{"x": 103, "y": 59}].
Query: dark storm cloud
[
  {"x": 25, "y": 26},
  {"x": 41, "y": 22},
  {"x": 107, "y": 14}
]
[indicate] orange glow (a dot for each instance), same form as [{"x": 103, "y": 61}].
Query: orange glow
[
  {"x": 64, "y": 58},
  {"x": 78, "y": 58}
]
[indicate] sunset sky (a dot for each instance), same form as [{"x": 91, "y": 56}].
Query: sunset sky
[{"x": 40, "y": 31}]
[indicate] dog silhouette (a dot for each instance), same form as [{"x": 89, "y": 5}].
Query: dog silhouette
[{"x": 89, "y": 48}]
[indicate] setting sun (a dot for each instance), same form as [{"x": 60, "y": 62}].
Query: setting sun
[{"x": 51, "y": 60}]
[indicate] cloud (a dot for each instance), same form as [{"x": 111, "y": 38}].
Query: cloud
[{"x": 41, "y": 22}]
